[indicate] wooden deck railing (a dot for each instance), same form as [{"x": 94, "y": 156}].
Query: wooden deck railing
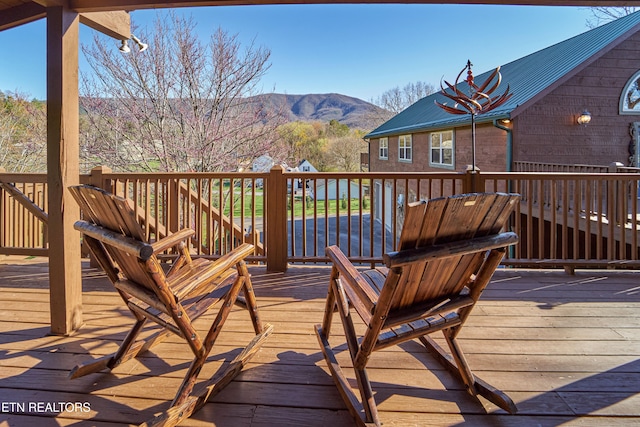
[
  {"x": 221, "y": 208},
  {"x": 360, "y": 212},
  {"x": 23, "y": 218},
  {"x": 565, "y": 219},
  {"x": 577, "y": 219},
  {"x": 558, "y": 167}
]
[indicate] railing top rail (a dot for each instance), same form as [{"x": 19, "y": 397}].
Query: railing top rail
[
  {"x": 184, "y": 175},
  {"x": 559, "y": 175},
  {"x": 559, "y": 164},
  {"x": 42, "y": 177},
  {"x": 344, "y": 175},
  {"x": 376, "y": 175},
  {"x": 23, "y": 177}
]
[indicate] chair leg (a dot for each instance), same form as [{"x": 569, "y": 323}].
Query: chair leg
[
  {"x": 461, "y": 362},
  {"x": 362, "y": 379},
  {"x": 364, "y": 410},
  {"x": 248, "y": 298},
  {"x": 124, "y": 353},
  {"x": 175, "y": 414},
  {"x": 185, "y": 402},
  {"x": 202, "y": 353},
  {"x": 492, "y": 394},
  {"x": 355, "y": 407},
  {"x": 329, "y": 309},
  {"x": 188, "y": 398}
]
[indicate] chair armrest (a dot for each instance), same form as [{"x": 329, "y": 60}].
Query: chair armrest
[
  {"x": 172, "y": 240},
  {"x": 444, "y": 250},
  {"x": 230, "y": 259},
  {"x": 216, "y": 268},
  {"x": 361, "y": 294},
  {"x": 124, "y": 243}
]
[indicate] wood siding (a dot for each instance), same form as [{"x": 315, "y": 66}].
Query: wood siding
[{"x": 548, "y": 132}]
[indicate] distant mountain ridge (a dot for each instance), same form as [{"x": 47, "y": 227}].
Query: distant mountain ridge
[
  {"x": 348, "y": 110},
  {"x": 353, "y": 112}
]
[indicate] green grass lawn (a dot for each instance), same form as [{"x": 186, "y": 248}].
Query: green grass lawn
[
  {"x": 328, "y": 207},
  {"x": 325, "y": 207}
]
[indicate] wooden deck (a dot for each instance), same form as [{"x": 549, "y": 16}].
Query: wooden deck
[{"x": 565, "y": 348}]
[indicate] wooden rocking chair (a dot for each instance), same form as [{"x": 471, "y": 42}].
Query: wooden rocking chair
[
  {"x": 172, "y": 300},
  {"x": 449, "y": 249}
]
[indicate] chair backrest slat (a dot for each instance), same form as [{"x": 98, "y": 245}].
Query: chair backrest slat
[
  {"x": 446, "y": 220},
  {"x": 108, "y": 210},
  {"x": 116, "y": 214}
]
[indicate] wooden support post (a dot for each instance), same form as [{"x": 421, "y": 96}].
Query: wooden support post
[
  {"x": 173, "y": 208},
  {"x": 65, "y": 282},
  {"x": 614, "y": 214},
  {"x": 2, "y": 218},
  {"x": 98, "y": 180},
  {"x": 471, "y": 183},
  {"x": 276, "y": 220}
]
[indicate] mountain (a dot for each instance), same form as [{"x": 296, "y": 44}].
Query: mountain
[{"x": 354, "y": 112}]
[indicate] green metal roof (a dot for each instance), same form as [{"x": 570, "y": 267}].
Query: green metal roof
[{"x": 526, "y": 77}]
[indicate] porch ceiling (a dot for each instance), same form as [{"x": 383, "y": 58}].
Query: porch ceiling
[
  {"x": 113, "y": 22},
  {"x": 18, "y": 12}
]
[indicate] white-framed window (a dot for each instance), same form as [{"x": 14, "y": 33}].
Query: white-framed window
[
  {"x": 630, "y": 99},
  {"x": 441, "y": 148},
  {"x": 405, "y": 149},
  {"x": 383, "y": 149}
]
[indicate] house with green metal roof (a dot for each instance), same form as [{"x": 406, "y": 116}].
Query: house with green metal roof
[{"x": 595, "y": 75}]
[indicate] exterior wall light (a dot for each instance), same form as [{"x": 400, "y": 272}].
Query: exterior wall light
[
  {"x": 124, "y": 48},
  {"x": 584, "y": 118},
  {"x": 141, "y": 46}
]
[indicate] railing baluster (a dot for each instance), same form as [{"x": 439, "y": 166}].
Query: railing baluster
[
  {"x": 633, "y": 200},
  {"x": 588, "y": 190},
  {"x": 576, "y": 217},
  {"x": 599, "y": 214},
  {"x": 315, "y": 218},
  {"x": 541, "y": 240}
]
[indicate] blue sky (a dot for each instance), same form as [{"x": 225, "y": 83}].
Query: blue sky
[{"x": 356, "y": 50}]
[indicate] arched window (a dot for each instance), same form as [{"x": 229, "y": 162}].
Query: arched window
[{"x": 630, "y": 99}]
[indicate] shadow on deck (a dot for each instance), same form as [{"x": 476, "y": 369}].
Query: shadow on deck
[{"x": 565, "y": 348}]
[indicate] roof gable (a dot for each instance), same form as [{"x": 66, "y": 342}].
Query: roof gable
[{"x": 528, "y": 78}]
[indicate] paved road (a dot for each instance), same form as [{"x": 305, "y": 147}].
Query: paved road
[{"x": 338, "y": 234}]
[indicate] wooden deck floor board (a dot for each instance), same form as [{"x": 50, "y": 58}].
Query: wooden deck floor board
[{"x": 565, "y": 348}]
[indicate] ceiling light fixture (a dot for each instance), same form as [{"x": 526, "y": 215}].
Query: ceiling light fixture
[
  {"x": 124, "y": 48},
  {"x": 142, "y": 46}
]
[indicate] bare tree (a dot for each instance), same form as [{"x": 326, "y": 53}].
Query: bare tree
[
  {"x": 23, "y": 133},
  {"x": 601, "y": 14},
  {"x": 398, "y": 99},
  {"x": 345, "y": 152},
  {"x": 181, "y": 105}
]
